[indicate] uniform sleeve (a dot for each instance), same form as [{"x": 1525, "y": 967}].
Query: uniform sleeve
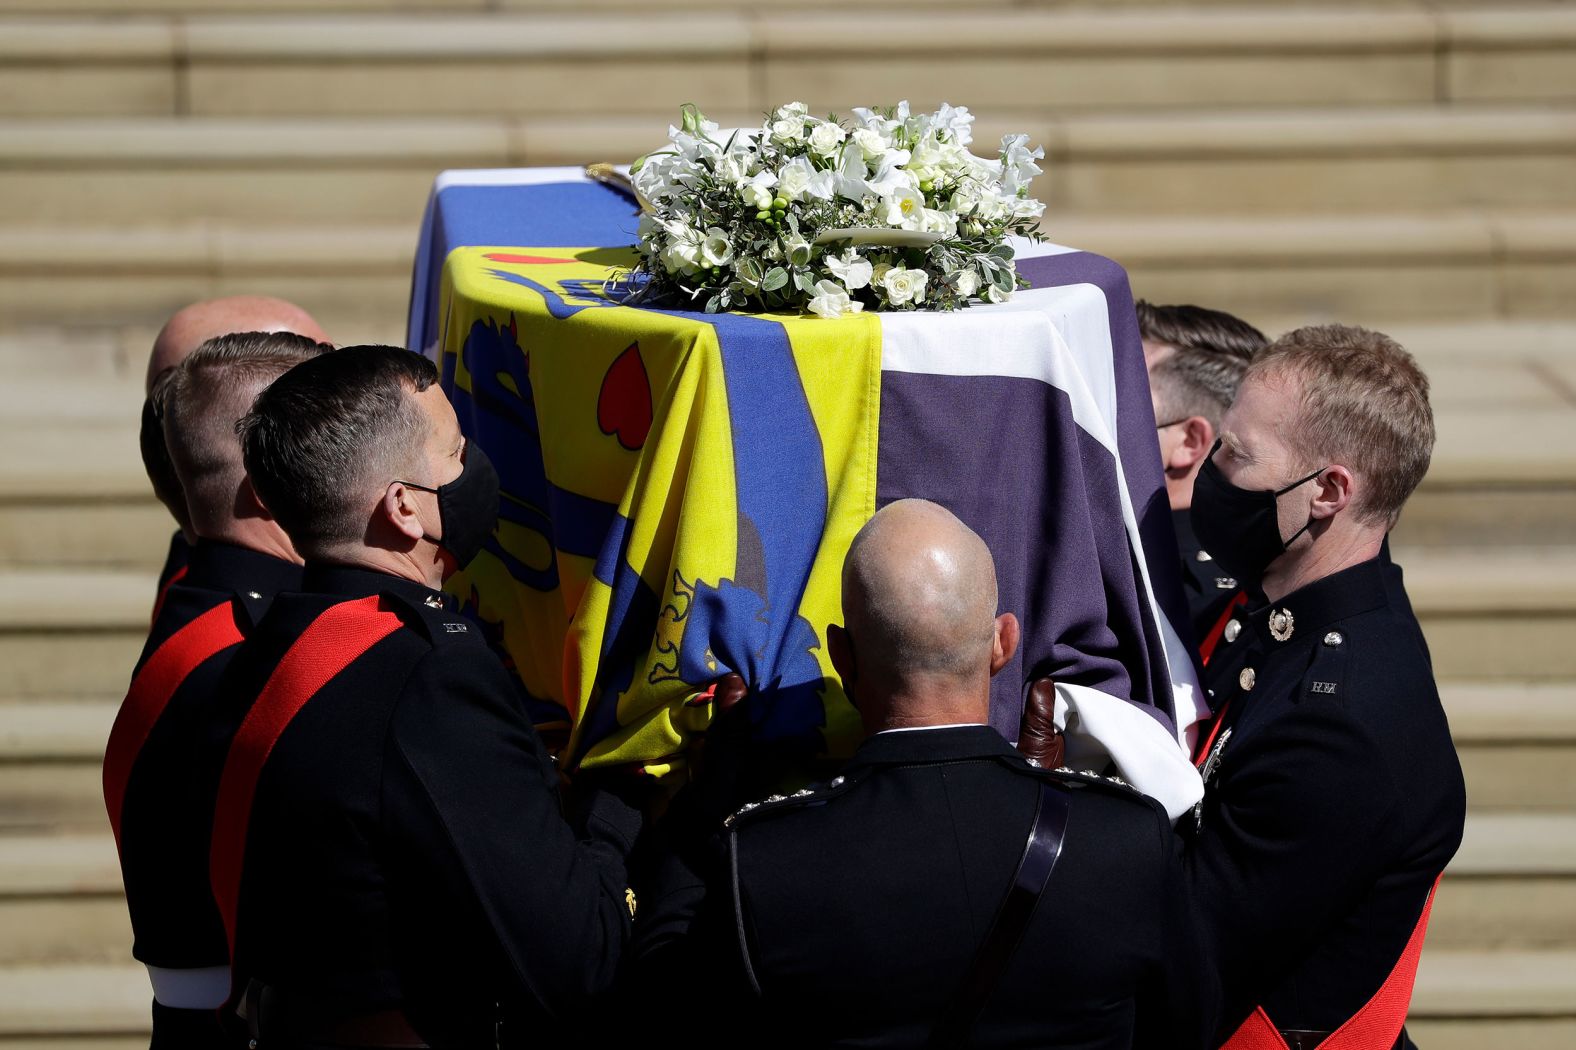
[
  {"x": 1177, "y": 1002},
  {"x": 556, "y": 901},
  {"x": 1291, "y": 838}
]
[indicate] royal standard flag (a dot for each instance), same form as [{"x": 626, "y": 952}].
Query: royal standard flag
[{"x": 680, "y": 489}]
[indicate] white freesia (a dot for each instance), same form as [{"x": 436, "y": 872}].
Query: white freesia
[
  {"x": 851, "y": 268},
  {"x": 758, "y": 192},
  {"x": 716, "y": 249},
  {"x": 825, "y": 138},
  {"x": 832, "y": 301},
  {"x": 904, "y": 208},
  {"x": 903, "y": 286}
]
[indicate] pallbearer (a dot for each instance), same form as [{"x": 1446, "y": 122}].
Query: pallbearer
[
  {"x": 389, "y": 854},
  {"x": 1334, "y": 798},
  {"x": 159, "y": 805},
  {"x": 186, "y": 330}
]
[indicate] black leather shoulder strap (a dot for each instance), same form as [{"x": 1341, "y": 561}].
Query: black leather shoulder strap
[{"x": 1006, "y": 932}]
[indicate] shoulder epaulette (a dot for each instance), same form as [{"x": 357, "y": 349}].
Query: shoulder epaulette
[
  {"x": 442, "y": 626},
  {"x": 1089, "y": 777},
  {"x": 814, "y": 795}
]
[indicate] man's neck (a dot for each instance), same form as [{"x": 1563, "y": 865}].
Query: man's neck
[
  {"x": 1330, "y": 554},
  {"x": 390, "y": 563},
  {"x": 269, "y": 540},
  {"x": 941, "y": 707}
]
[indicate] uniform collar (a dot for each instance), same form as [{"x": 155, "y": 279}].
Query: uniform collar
[
  {"x": 216, "y": 566},
  {"x": 1339, "y": 596},
  {"x": 940, "y": 744},
  {"x": 345, "y": 581},
  {"x": 1182, "y": 525}
]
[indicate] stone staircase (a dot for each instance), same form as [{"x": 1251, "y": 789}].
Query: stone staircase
[{"x": 1400, "y": 163}]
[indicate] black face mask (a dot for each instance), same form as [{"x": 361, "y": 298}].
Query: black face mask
[
  {"x": 467, "y": 506},
  {"x": 1240, "y": 528}
]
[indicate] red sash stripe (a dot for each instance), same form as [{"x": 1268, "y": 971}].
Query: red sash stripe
[
  {"x": 1374, "y": 1027},
  {"x": 1206, "y": 648},
  {"x": 332, "y": 642},
  {"x": 151, "y": 689},
  {"x": 164, "y": 592}
]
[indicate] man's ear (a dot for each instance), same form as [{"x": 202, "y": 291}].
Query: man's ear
[
  {"x": 248, "y": 504},
  {"x": 1334, "y": 494},
  {"x": 1004, "y": 642},
  {"x": 1197, "y": 438},
  {"x": 841, "y": 651},
  {"x": 399, "y": 507}
]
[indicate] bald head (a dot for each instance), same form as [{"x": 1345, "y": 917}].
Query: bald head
[
  {"x": 919, "y": 595},
  {"x": 194, "y": 325}
]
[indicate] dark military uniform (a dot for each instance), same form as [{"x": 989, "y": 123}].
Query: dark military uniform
[
  {"x": 1333, "y": 800},
  {"x": 1208, "y": 588},
  {"x": 174, "y": 570},
  {"x": 164, "y": 811},
  {"x": 404, "y": 858},
  {"x": 848, "y": 915}
]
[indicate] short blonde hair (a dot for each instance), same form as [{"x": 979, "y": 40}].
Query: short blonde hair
[{"x": 1363, "y": 404}]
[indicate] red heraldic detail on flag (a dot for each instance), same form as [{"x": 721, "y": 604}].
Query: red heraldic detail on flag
[
  {"x": 151, "y": 689},
  {"x": 623, "y": 408},
  {"x": 332, "y": 642},
  {"x": 525, "y": 260},
  {"x": 1376, "y": 1026}
]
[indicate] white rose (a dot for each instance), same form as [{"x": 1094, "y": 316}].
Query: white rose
[
  {"x": 716, "y": 249},
  {"x": 870, "y": 142},
  {"x": 825, "y": 138},
  {"x": 967, "y": 282},
  {"x": 904, "y": 207},
  {"x": 832, "y": 301},
  {"x": 792, "y": 109},
  {"x": 788, "y": 129},
  {"x": 855, "y": 272},
  {"x": 794, "y": 179},
  {"x": 682, "y": 257},
  {"x": 904, "y": 286},
  {"x": 940, "y": 222}
]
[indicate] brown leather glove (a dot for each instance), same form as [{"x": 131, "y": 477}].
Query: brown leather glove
[{"x": 1038, "y": 737}]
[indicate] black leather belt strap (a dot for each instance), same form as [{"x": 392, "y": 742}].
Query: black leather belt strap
[{"x": 1006, "y": 932}]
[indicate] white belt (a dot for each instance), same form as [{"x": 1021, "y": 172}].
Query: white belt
[{"x": 203, "y": 988}]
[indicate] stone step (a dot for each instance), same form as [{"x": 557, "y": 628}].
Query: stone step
[
  {"x": 341, "y": 170},
  {"x": 1511, "y": 887},
  {"x": 1517, "y": 744},
  {"x": 1464, "y": 265},
  {"x": 460, "y": 63}
]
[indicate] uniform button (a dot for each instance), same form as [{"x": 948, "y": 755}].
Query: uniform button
[
  {"x": 253, "y": 594},
  {"x": 1333, "y": 639},
  {"x": 1233, "y": 628},
  {"x": 837, "y": 782},
  {"x": 1247, "y": 678}
]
